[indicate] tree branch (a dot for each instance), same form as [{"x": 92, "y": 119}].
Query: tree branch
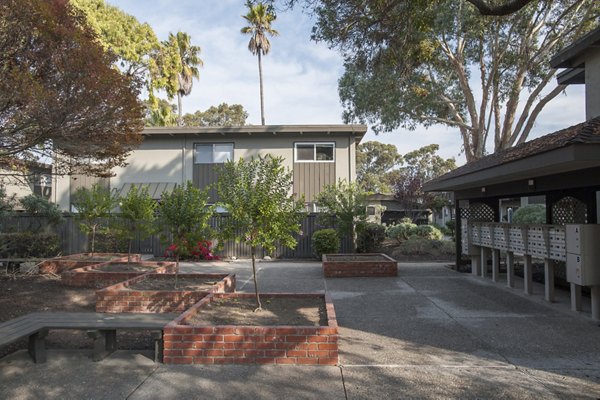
[{"x": 507, "y": 8}]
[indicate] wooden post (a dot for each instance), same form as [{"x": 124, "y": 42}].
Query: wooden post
[
  {"x": 485, "y": 255},
  {"x": 475, "y": 265},
  {"x": 510, "y": 269},
  {"x": 495, "y": 264},
  {"x": 528, "y": 275},
  {"x": 575, "y": 297},
  {"x": 549, "y": 280},
  {"x": 595, "y": 303},
  {"x": 37, "y": 346}
]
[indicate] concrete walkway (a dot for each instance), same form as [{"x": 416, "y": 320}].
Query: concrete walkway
[{"x": 430, "y": 333}]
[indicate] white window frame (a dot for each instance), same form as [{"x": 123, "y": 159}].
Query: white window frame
[
  {"x": 213, "y": 151},
  {"x": 315, "y": 144}
]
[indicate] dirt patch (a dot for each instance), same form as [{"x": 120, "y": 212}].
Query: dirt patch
[
  {"x": 168, "y": 283},
  {"x": 27, "y": 294},
  {"x": 306, "y": 311},
  {"x": 124, "y": 268}
]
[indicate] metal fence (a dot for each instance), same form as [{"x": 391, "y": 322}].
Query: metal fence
[{"x": 73, "y": 240}]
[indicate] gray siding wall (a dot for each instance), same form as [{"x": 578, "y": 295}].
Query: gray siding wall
[
  {"x": 310, "y": 178},
  {"x": 205, "y": 175}
]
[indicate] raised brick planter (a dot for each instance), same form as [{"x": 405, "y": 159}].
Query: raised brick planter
[
  {"x": 359, "y": 265},
  {"x": 92, "y": 276},
  {"x": 58, "y": 265},
  {"x": 230, "y": 344},
  {"x": 122, "y": 298}
]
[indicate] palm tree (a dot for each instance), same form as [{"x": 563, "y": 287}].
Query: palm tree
[
  {"x": 260, "y": 17},
  {"x": 190, "y": 61}
]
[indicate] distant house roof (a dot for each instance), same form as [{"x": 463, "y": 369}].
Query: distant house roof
[
  {"x": 571, "y": 58},
  {"x": 358, "y": 130},
  {"x": 569, "y": 149}
]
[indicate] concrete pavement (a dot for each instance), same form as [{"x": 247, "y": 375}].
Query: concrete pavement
[{"x": 429, "y": 333}]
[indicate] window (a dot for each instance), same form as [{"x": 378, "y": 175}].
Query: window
[
  {"x": 314, "y": 152},
  {"x": 214, "y": 153}
]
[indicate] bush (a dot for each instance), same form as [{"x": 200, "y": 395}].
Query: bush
[
  {"x": 429, "y": 232},
  {"x": 426, "y": 249},
  {"x": 29, "y": 244},
  {"x": 111, "y": 241},
  {"x": 402, "y": 231},
  {"x": 49, "y": 213},
  {"x": 530, "y": 214},
  {"x": 370, "y": 238},
  {"x": 325, "y": 241},
  {"x": 199, "y": 251}
]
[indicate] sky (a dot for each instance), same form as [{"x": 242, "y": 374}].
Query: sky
[{"x": 300, "y": 76}]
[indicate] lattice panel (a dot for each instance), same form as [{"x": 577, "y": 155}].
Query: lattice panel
[
  {"x": 478, "y": 212},
  {"x": 540, "y": 241},
  {"x": 569, "y": 210}
]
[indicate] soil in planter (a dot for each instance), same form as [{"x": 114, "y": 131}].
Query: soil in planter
[
  {"x": 357, "y": 257},
  {"x": 306, "y": 311},
  {"x": 124, "y": 268},
  {"x": 168, "y": 283}
]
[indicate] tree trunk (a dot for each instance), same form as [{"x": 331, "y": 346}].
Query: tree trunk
[
  {"x": 179, "y": 111},
  {"x": 258, "y": 304},
  {"x": 129, "y": 252},
  {"x": 93, "y": 240},
  {"x": 354, "y": 238},
  {"x": 176, "y": 269},
  {"x": 262, "y": 101}
]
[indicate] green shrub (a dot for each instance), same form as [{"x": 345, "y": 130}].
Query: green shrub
[
  {"x": 530, "y": 214},
  {"x": 111, "y": 241},
  {"x": 29, "y": 244},
  {"x": 429, "y": 232},
  {"x": 325, "y": 241},
  {"x": 427, "y": 249},
  {"x": 370, "y": 238},
  {"x": 402, "y": 231}
]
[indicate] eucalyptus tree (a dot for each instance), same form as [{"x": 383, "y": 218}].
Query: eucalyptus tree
[
  {"x": 419, "y": 63},
  {"x": 260, "y": 16}
]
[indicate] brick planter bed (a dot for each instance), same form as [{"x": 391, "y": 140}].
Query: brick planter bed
[
  {"x": 58, "y": 265},
  {"x": 95, "y": 277},
  {"x": 233, "y": 344},
  {"x": 359, "y": 265},
  {"x": 122, "y": 297}
]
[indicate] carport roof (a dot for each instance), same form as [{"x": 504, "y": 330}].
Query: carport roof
[{"x": 573, "y": 148}]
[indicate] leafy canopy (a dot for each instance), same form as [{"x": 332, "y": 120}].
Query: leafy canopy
[
  {"x": 60, "y": 97},
  {"x": 262, "y": 210},
  {"x": 413, "y": 63},
  {"x": 94, "y": 208},
  {"x": 374, "y": 161},
  {"x": 348, "y": 203},
  {"x": 137, "y": 214}
]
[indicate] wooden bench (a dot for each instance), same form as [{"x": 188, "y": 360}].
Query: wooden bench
[{"x": 102, "y": 328}]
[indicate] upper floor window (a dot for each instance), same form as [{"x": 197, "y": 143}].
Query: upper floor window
[
  {"x": 213, "y": 153},
  {"x": 314, "y": 152}
]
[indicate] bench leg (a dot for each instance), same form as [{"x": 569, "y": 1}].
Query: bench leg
[
  {"x": 105, "y": 343},
  {"x": 158, "y": 346},
  {"x": 37, "y": 346}
]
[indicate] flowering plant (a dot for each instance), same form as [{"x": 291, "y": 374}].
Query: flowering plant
[{"x": 199, "y": 251}]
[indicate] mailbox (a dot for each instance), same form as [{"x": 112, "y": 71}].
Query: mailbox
[{"x": 583, "y": 254}]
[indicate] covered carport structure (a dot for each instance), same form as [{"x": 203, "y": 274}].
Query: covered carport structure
[{"x": 564, "y": 168}]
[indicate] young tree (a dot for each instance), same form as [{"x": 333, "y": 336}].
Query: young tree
[
  {"x": 60, "y": 97},
  {"x": 262, "y": 211},
  {"x": 374, "y": 161},
  {"x": 348, "y": 203},
  {"x": 185, "y": 215},
  {"x": 410, "y": 63},
  {"x": 420, "y": 166},
  {"x": 137, "y": 215},
  {"x": 94, "y": 208},
  {"x": 260, "y": 17}
]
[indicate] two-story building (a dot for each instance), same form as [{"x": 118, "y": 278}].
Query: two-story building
[{"x": 318, "y": 155}]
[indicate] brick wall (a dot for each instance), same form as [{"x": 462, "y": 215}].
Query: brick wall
[
  {"x": 121, "y": 298},
  {"x": 58, "y": 265},
  {"x": 366, "y": 268},
  {"x": 301, "y": 345},
  {"x": 90, "y": 277}
]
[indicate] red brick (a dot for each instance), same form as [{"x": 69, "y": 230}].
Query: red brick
[
  {"x": 307, "y": 361},
  {"x": 293, "y": 338}
]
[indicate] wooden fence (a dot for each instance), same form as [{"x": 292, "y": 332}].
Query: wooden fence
[{"x": 74, "y": 241}]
